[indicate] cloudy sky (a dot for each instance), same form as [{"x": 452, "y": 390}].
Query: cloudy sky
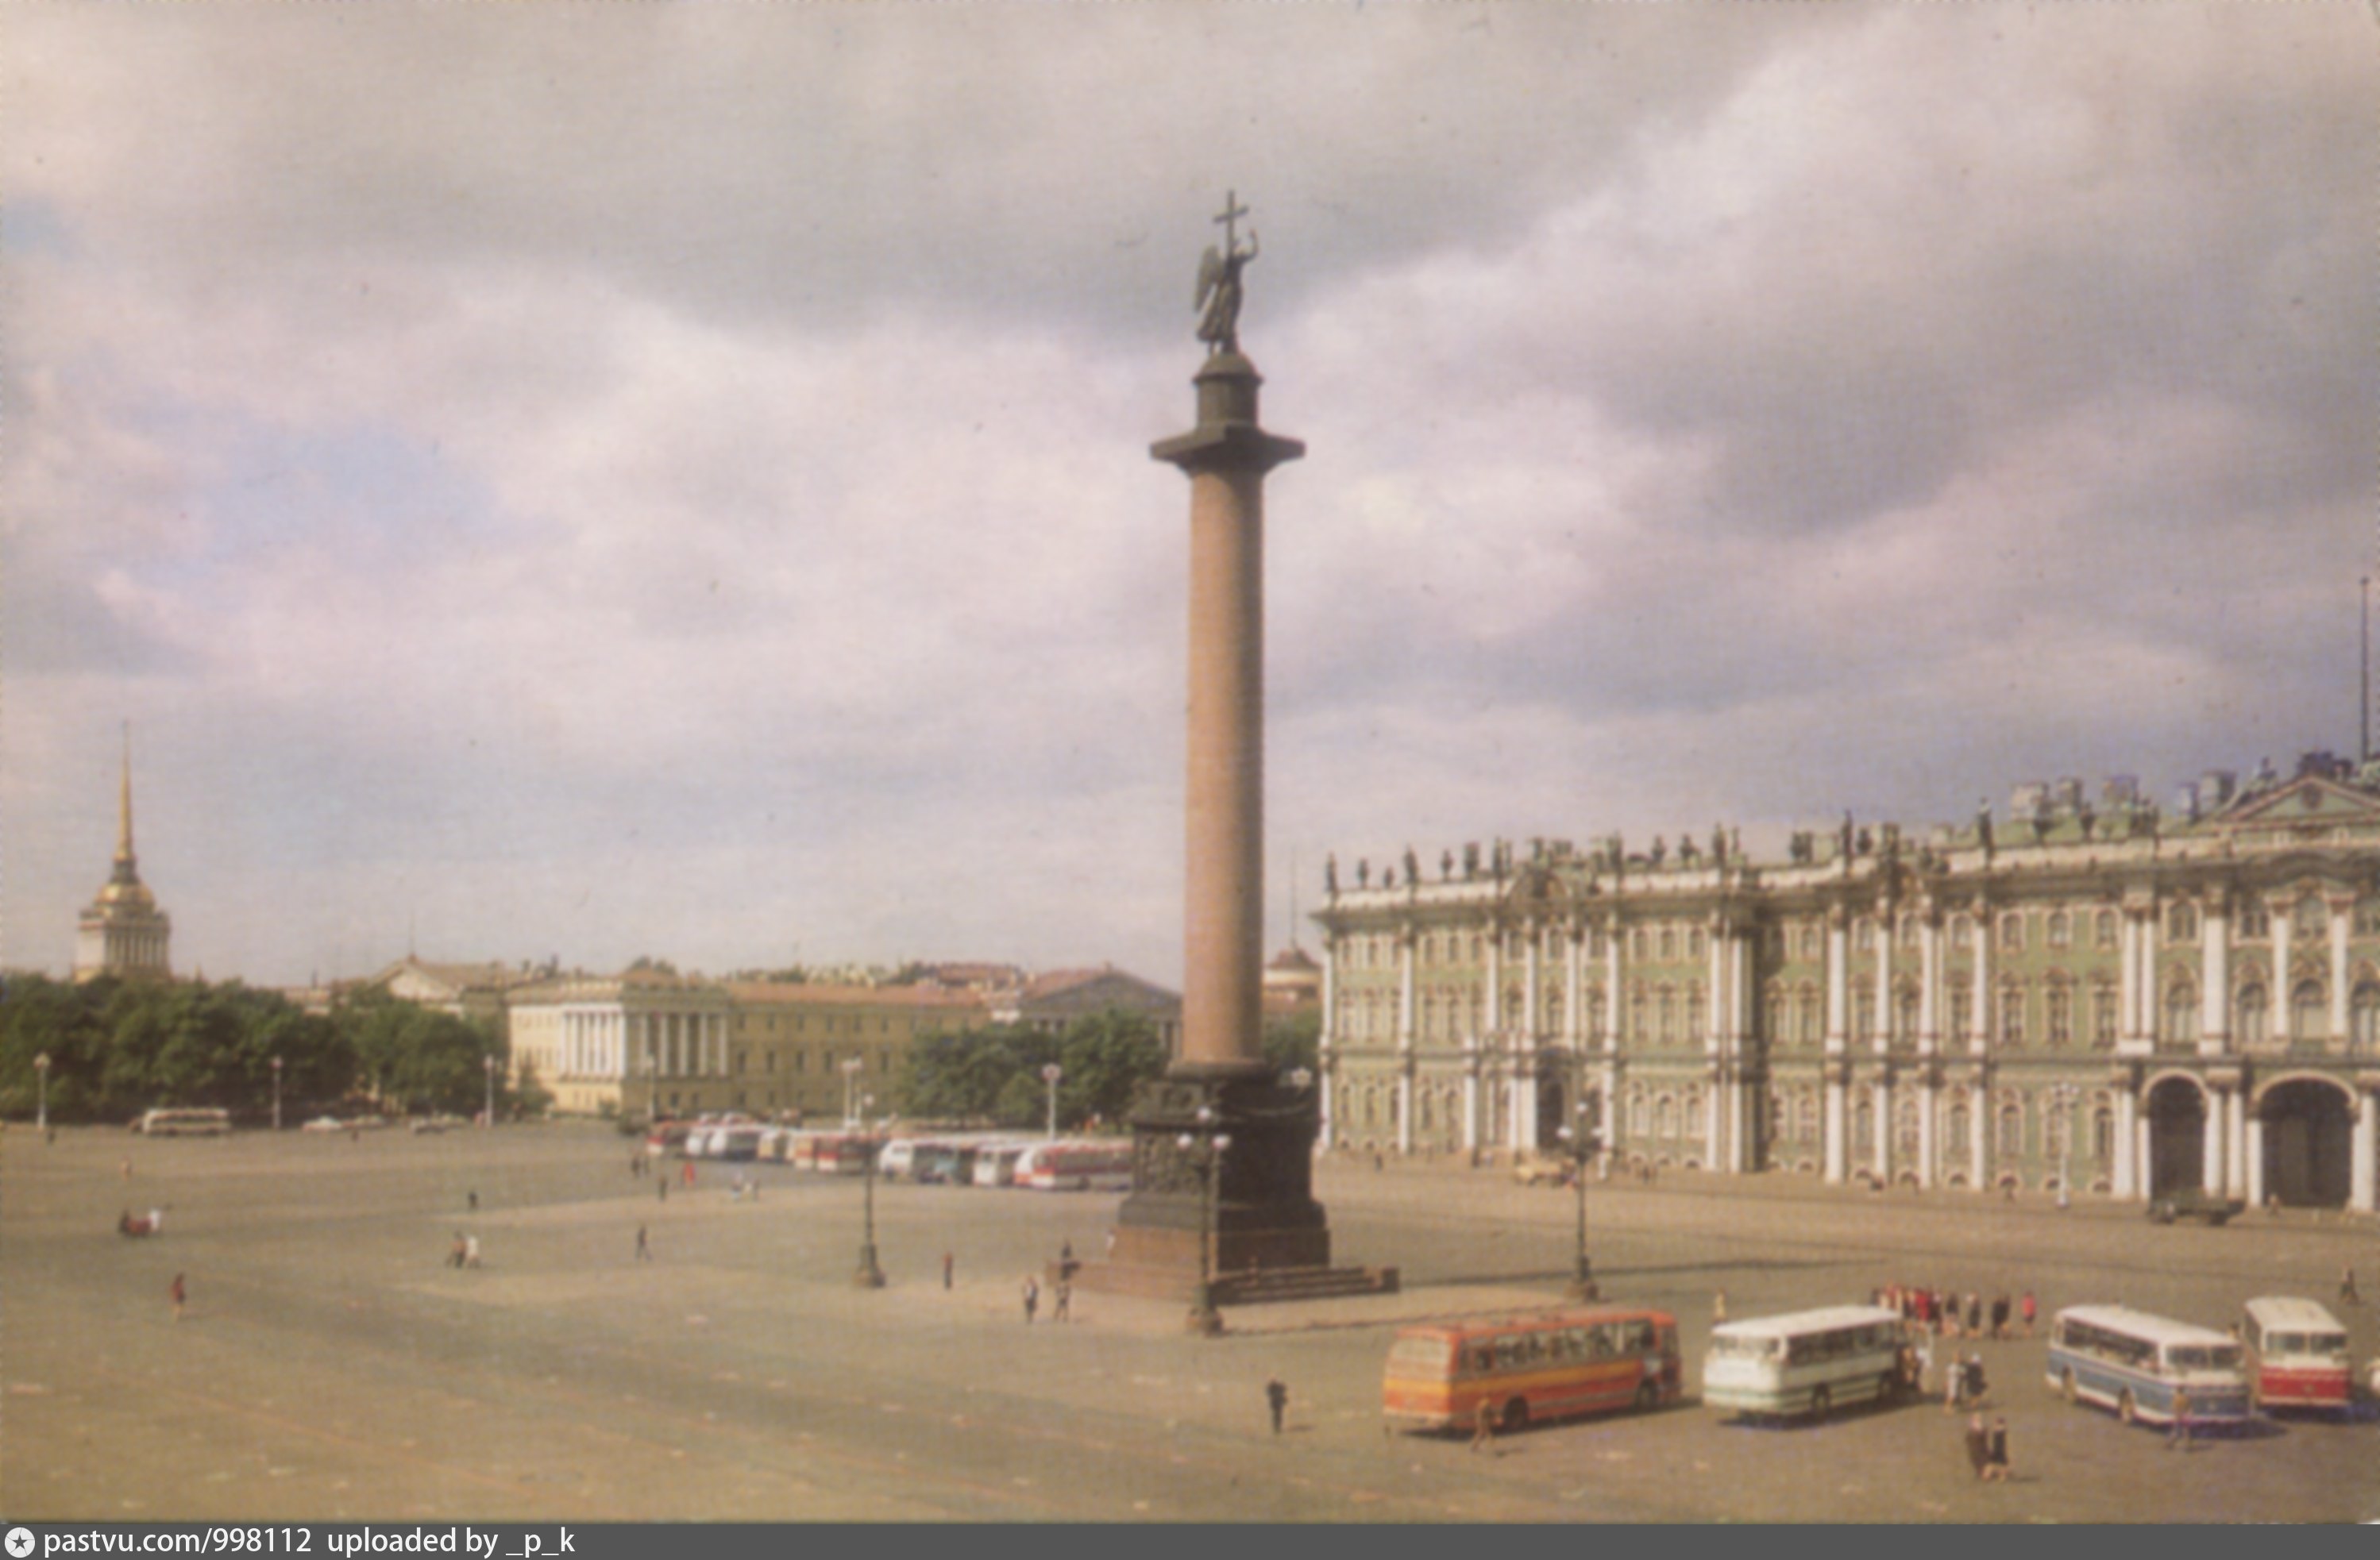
[{"x": 592, "y": 480}]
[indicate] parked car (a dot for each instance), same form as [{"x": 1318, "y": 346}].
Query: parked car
[
  {"x": 2191, "y": 1203},
  {"x": 1544, "y": 1170}
]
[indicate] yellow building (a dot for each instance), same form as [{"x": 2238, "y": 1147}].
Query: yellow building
[
  {"x": 817, "y": 1050},
  {"x": 635, "y": 1041}
]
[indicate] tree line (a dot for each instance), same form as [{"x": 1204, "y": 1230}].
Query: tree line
[
  {"x": 118, "y": 1048},
  {"x": 994, "y": 1074}
]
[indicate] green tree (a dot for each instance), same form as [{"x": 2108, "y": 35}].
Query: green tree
[
  {"x": 1294, "y": 1040},
  {"x": 416, "y": 1058}
]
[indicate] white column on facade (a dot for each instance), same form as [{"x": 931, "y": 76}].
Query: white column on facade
[
  {"x": 2210, "y": 1177},
  {"x": 2215, "y": 979},
  {"x": 2145, "y": 1168},
  {"x": 1714, "y": 1117},
  {"x": 1839, "y": 1014},
  {"x": 1929, "y": 1003},
  {"x": 1714, "y": 996},
  {"x": 1574, "y": 988},
  {"x": 1979, "y": 1003},
  {"x": 1834, "y": 1125},
  {"x": 1326, "y": 1045},
  {"x": 1743, "y": 990},
  {"x": 2365, "y": 1148},
  {"x": 2128, "y": 986},
  {"x": 1612, "y": 1006},
  {"x": 1884, "y": 1130},
  {"x": 1404, "y": 1100},
  {"x": 1532, "y": 996},
  {"x": 1408, "y": 947},
  {"x": 2235, "y": 1142},
  {"x": 2339, "y": 910},
  {"x": 1471, "y": 1094},
  {"x": 2124, "y": 1186},
  {"x": 2276, "y": 993},
  {"x": 1929, "y": 1106},
  {"x": 1981, "y": 1125},
  {"x": 1495, "y": 979},
  {"x": 2255, "y": 1177},
  {"x": 2152, "y": 930},
  {"x": 1884, "y": 1014}
]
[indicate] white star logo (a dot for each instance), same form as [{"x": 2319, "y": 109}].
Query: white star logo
[{"x": 20, "y": 1541}]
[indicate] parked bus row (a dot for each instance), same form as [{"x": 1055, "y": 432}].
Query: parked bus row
[
  {"x": 950, "y": 1159},
  {"x": 2290, "y": 1353}
]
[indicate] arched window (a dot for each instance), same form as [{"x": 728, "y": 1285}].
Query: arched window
[
  {"x": 1962, "y": 1009},
  {"x": 1639, "y": 1116},
  {"x": 1813, "y": 1018},
  {"x": 2102, "y": 1133},
  {"x": 2058, "y": 929},
  {"x": 2255, "y": 921},
  {"x": 2103, "y": 1016},
  {"x": 1962, "y": 931},
  {"x": 2012, "y": 1016},
  {"x": 2012, "y": 931},
  {"x": 2308, "y": 918},
  {"x": 2309, "y": 1015},
  {"x": 1773, "y": 1016},
  {"x": 1665, "y": 1118},
  {"x": 2182, "y": 1014},
  {"x": 1958, "y": 1128},
  {"x": 1668, "y": 942},
  {"x": 1637, "y": 1015},
  {"x": 1864, "y": 935},
  {"x": 1428, "y": 1106},
  {"x": 2250, "y": 1022},
  {"x": 2102, "y": 928},
  {"x": 1813, "y": 946},
  {"x": 1805, "y": 1118},
  {"x": 1694, "y": 1027},
  {"x": 1637, "y": 944},
  {"x": 1665, "y": 1011},
  {"x": 1906, "y": 1020},
  {"x": 2058, "y": 1014},
  {"x": 1862, "y": 1014},
  {"x": 1693, "y": 942},
  {"x": 2011, "y": 1143},
  {"x": 2181, "y": 923},
  {"x": 2365, "y": 1012},
  {"x": 1863, "y": 1128}
]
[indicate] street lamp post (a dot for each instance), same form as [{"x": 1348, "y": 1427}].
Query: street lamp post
[
  {"x": 1205, "y": 1320},
  {"x": 2061, "y": 1102},
  {"x": 870, "y": 1276},
  {"x": 277, "y": 1093},
  {"x": 1049, "y": 1075},
  {"x": 851, "y": 1065},
  {"x": 488, "y": 1120},
  {"x": 42, "y": 1083},
  {"x": 1581, "y": 1145}
]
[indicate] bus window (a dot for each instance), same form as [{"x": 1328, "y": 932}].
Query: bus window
[
  {"x": 2325, "y": 1343},
  {"x": 1420, "y": 1353}
]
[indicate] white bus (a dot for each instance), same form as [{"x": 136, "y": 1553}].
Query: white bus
[
  {"x": 1075, "y": 1167},
  {"x": 1807, "y": 1362},
  {"x": 189, "y": 1122},
  {"x": 2133, "y": 1362},
  {"x": 995, "y": 1162}
]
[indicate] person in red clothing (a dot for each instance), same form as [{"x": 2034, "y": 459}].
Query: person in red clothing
[{"x": 179, "y": 1293}]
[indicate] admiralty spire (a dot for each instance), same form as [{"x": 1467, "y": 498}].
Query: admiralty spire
[{"x": 123, "y": 932}]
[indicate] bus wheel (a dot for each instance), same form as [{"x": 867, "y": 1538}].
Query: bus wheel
[
  {"x": 2125, "y": 1408},
  {"x": 2065, "y": 1386},
  {"x": 1648, "y": 1398},
  {"x": 1516, "y": 1414},
  {"x": 1820, "y": 1401}
]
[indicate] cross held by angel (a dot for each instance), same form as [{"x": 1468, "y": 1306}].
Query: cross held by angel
[{"x": 1219, "y": 281}]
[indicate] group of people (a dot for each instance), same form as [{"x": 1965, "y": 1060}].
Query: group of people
[
  {"x": 1949, "y": 1314},
  {"x": 1988, "y": 1449},
  {"x": 465, "y": 1253}
]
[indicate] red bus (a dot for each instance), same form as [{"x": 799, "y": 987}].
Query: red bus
[
  {"x": 1532, "y": 1368},
  {"x": 2298, "y": 1354}
]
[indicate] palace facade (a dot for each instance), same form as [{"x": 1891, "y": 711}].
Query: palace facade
[{"x": 2096, "y": 997}]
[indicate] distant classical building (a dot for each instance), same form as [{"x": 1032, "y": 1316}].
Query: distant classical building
[
  {"x": 603, "y": 1044},
  {"x": 467, "y": 991},
  {"x": 1293, "y": 983},
  {"x": 123, "y": 933},
  {"x": 1050, "y": 1003},
  {"x": 2097, "y": 994}
]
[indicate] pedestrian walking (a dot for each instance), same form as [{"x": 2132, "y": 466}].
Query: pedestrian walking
[
  {"x": 470, "y": 1251},
  {"x": 1064, "y": 1309},
  {"x": 125, "y": 1169},
  {"x": 1111, "y": 1245},
  {"x": 471, "y": 1201},
  {"x": 1976, "y": 1314},
  {"x": 644, "y": 1249},
  {"x": 1483, "y": 1425},
  {"x": 2347, "y": 1294},
  {"x": 1976, "y": 1389},
  {"x": 1998, "y": 1471},
  {"x": 2179, "y": 1434},
  {"x": 1719, "y": 1307},
  {"x": 1999, "y": 1315},
  {"x": 178, "y": 1292},
  {"x": 947, "y": 1261},
  {"x": 660, "y": 1184},
  {"x": 1979, "y": 1447},
  {"x": 1277, "y": 1399},
  {"x": 686, "y": 1173},
  {"x": 1032, "y": 1298},
  {"x": 1954, "y": 1383},
  {"x": 1925, "y": 1363},
  {"x": 2026, "y": 1307},
  {"x": 454, "y": 1255}
]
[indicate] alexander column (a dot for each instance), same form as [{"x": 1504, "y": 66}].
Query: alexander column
[{"x": 1222, "y": 1179}]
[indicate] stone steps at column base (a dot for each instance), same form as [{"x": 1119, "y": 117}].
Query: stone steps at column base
[{"x": 1260, "y": 1287}]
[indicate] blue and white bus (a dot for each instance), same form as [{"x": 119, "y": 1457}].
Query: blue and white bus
[{"x": 2133, "y": 1362}]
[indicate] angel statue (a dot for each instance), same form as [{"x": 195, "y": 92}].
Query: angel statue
[{"x": 1219, "y": 282}]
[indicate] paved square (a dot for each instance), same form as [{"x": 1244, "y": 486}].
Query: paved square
[{"x": 331, "y": 1366}]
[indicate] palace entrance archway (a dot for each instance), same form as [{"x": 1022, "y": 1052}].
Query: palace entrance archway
[
  {"x": 2309, "y": 1143},
  {"x": 2176, "y": 1136}
]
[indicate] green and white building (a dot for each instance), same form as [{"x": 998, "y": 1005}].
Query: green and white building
[{"x": 2100, "y": 995}]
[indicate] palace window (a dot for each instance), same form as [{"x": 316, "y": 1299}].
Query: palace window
[
  {"x": 1665, "y": 1119},
  {"x": 2309, "y": 919},
  {"x": 1812, "y": 943},
  {"x": 1693, "y": 942},
  {"x": 2012, "y": 931},
  {"x": 1907, "y": 1017},
  {"x": 2059, "y": 1013},
  {"x": 1636, "y": 1030},
  {"x": 1962, "y": 1009},
  {"x": 2012, "y": 1016},
  {"x": 2058, "y": 929},
  {"x": 1775, "y": 943},
  {"x": 1774, "y": 1015},
  {"x": 1962, "y": 931},
  {"x": 2181, "y": 922},
  {"x": 1812, "y": 1019},
  {"x": 1669, "y": 943},
  {"x": 2255, "y": 921},
  {"x": 2182, "y": 1014},
  {"x": 1805, "y": 1117},
  {"x": 1694, "y": 1013},
  {"x": 2011, "y": 1143},
  {"x": 1640, "y": 1121},
  {"x": 2250, "y": 1021},
  {"x": 2103, "y": 1134},
  {"x": 1863, "y": 1128},
  {"x": 1909, "y": 926},
  {"x": 1637, "y": 944},
  {"x": 1864, "y": 935},
  {"x": 2367, "y": 918},
  {"x": 2102, "y": 928},
  {"x": 2365, "y": 1014},
  {"x": 1863, "y": 1015},
  {"x": 1666, "y": 1007},
  {"x": 2309, "y": 1015},
  {"x": 2103, "y": 1017}
]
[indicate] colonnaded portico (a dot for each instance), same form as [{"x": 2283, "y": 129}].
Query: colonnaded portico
[{"x": 2104, "y": 997}]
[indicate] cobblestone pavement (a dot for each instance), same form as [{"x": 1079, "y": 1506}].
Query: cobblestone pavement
[{"x": 331, "y": 1366}]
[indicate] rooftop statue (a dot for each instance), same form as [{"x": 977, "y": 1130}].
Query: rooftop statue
[{"x": 1219, "y": 282}]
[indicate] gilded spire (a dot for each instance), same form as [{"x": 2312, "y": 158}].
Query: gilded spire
[{"x": 123, "y": 803}]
